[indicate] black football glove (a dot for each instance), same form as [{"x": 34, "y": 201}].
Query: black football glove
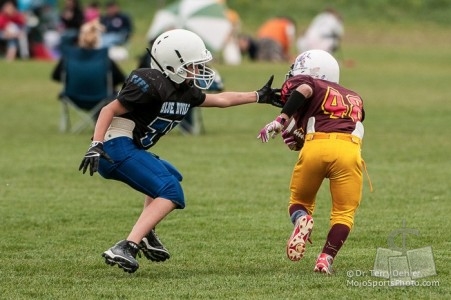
[
  {"x": 269, "y": 95},
  {"x": 276, "y": 99},
  {"x": 92, "y": 158}
]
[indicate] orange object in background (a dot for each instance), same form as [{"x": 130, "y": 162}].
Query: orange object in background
[{"x": 280, "y": 29}]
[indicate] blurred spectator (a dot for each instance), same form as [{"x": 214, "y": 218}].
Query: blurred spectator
[
  {"x": 248, "y": 46},
  {"x": 43, "y": 25},
  {"x": 48, "y": 28},
  {"x": 118, "y": 26},
  {"x": 24, "y": 5},
  {"x": 72, "y": 18},
  {"x": 13, "y": 31},
  {"x": 275, "y": 39},
  {"x": 324, "y": 32},
  {"x": 90, "y": 34},
  {"x": 92, "y": 11},
  {"x": 89, "y": 38},
  {"x": 231, "y": 53}
]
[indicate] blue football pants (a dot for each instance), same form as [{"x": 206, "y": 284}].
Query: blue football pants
[{"x": 142, "y": 171}]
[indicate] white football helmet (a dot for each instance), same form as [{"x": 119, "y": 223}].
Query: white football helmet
[
  {"x": 181, "y": 55},
  {"x": 316, "y": 63}
]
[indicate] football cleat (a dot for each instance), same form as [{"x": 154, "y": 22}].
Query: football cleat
[
  {"x": 152, "y": 248},
  {"x": 123, "y": 254},
  {"x": 324, "y": 264},
  {"x": 301, "y": 234}
]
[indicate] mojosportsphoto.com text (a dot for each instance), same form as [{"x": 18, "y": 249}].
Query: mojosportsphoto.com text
[{"x": 391, "y": 283}]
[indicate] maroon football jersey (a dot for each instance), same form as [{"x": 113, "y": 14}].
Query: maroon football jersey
[{"x": 331, "y": 108}]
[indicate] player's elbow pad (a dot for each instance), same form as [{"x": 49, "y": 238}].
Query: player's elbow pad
[{"x": 294, "y": 102}]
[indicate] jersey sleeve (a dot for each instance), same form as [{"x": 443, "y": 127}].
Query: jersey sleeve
[
  {"x": 292, "y": 83},
  {"x": 198, "y": 97},
  {"x": 137, "y": 89},
  {"x": 133, "y": 91}
]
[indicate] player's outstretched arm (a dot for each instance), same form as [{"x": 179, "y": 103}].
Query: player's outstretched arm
[{"x": 266, "y": 94}]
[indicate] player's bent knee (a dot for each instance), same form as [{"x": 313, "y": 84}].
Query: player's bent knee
[{"x": 174, "y": 192}]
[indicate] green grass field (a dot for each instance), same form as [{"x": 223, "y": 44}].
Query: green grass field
[{"x": 229, "y": 242}]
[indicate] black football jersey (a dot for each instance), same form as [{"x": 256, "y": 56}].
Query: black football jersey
[{"x": 156, "y": 104}]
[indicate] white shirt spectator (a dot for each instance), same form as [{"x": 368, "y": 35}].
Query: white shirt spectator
[{"x": 324, "y": 33}]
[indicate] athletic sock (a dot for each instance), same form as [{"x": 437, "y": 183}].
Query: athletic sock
[{"x": 335, "y": 239}]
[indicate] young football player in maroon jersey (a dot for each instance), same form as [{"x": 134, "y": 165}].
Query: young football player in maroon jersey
[{"x": 329, "y": 117}]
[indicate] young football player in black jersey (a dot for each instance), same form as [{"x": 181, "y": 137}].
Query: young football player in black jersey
[{"x": 151, "y": 103}]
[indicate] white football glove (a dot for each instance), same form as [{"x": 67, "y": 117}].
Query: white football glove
[{"x": 271, "y": 129}]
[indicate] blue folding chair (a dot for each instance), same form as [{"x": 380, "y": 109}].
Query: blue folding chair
[{"x": 87, "y": 86}]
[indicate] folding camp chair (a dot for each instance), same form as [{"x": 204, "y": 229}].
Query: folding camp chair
[{"x": 87, "y": 86}]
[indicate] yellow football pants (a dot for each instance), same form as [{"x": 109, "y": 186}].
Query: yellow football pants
[{"x": 335, "y": 156}]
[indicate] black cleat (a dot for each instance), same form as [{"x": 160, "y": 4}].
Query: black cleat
[
  {"x": 152, "y": 247},
  {"x": 123, "y": 254}
]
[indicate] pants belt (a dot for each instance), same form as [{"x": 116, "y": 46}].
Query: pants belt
[
  {"x": 339, "y": 136},
  {"x": 120, "y": 127}
]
